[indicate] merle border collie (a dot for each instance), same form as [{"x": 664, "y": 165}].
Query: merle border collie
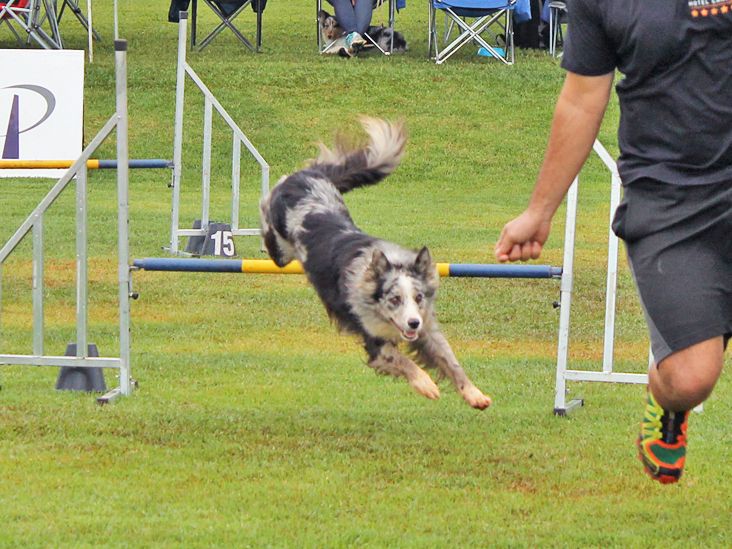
[{"x": 375, "y": 289}]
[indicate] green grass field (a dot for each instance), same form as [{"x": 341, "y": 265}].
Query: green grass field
[{"x": 255, "y": 424}]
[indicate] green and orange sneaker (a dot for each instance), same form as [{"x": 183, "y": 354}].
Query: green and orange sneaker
[{"x": 662, "y": 442}]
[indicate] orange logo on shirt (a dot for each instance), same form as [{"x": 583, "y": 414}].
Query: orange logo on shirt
[{"x": 705, "y": 8}]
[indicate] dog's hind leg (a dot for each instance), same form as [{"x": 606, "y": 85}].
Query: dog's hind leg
[
  {"x": 385, "y": 358},
  {"x": 432, "y": 349}
]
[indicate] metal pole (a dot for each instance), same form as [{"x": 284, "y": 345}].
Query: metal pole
[
  {"x": 54, "y": 40},
  {"x": 318, "y": 7},
  {"x": 392, "y": 12},
  {"x": 178, "y": 131},
  {"x": 38, "y": 316},
  {"x": 464, "y": 270},
  {"x": 1, "y": 303},
  {"x": 89, "y": 30},
  {"x": 235, "y": 180},
  {"x": 123, "y": 220},
  {"x": 116, "y": 21},
  {"x": 92, "y": 164},
  {"x": 206, "y": 163},
  {"x": 567, "y": 283},
  {"x": 612, "y": 259},
  {"x": 259, "y": 25},
  {"x": 81, "y": 264},
  {"x": 611, "y": 290},
  {"x": 552, "y": 38},
  {"x": 430, "y": 27}
]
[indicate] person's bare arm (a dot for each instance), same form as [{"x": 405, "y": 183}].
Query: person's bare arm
[{"x": 577, "y": 117}]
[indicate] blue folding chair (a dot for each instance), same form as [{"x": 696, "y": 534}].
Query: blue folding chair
[{"x": 487, "y": 24}]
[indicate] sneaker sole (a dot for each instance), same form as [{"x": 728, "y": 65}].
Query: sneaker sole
[{"x": 663, "y": 475}]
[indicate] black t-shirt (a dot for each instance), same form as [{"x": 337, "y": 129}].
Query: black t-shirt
[{"x": 676, "y": 94}]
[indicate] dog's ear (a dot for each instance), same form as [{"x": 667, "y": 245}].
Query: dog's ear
[
  {"x": 423, "y": 263},
  {"x": 425, "y": 267},
  {"x": 322, "y": 16},
  {"x": 379, "y": 263}
]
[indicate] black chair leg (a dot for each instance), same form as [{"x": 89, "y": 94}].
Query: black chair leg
[{"x": 226, "y": 21}]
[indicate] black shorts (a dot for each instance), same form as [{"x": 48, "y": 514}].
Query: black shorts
[{"x": 679, "y": 243}]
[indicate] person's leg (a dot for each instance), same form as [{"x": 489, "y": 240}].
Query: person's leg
[
  {"x": 363, "y": 11},
  {"x": 680, "y": 382},
  {"x": 346, "y": 15},
  {"x": 686, "y": 378},
  {"x": 678, "y": 249}
]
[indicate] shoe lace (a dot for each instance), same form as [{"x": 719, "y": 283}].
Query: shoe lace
[
  {"x": 652, "y": 426},
  {"x": 660, "y": 424}
]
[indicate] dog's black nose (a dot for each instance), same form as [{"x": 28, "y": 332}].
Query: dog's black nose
[{"x": 413, "y": 323}]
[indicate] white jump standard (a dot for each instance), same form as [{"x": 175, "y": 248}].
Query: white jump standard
[{"x": 34, "y": 224}]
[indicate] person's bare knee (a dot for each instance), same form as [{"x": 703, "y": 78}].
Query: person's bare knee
[
  {"x": 686, "y": 378},
  {"x": 678, "y": 392}
]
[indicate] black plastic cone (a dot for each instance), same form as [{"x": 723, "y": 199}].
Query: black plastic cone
[{"x": 81, "y": 379}]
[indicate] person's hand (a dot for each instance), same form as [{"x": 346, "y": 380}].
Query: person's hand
[{"x": 522, "y": 238}]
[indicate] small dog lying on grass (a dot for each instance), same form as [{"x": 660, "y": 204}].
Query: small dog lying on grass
[
  {"x": 370, "y": 287},
  {"x": 333, "y": 35}
]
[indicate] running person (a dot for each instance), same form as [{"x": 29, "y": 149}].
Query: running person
[{"x": 675, "y": 139}]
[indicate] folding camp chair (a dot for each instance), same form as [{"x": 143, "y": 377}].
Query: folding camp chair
[
  {"x": 324, "y": 46},
  {"x": 487, "y": 24},
  {"x": 227, "y": 11},
  {"x": 26, "y": 16}
]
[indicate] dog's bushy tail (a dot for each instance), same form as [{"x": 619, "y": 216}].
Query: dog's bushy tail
[{"x": 350, "y": 169}]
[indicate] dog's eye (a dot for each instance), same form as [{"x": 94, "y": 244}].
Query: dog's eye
[
  {"x": 396, "y": 300},
  {"x": 418, "y": 298}
]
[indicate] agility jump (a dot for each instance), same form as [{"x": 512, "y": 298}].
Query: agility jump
[
  {"x": 267, "y": 266},
  {"x": 32, "y": 227}
]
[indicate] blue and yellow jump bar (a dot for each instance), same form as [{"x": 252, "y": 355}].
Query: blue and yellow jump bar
[
  {"x": 266, "y": 266},
  {"x": 92, "y": 164}
]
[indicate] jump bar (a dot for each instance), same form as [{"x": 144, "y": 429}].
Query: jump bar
[
  {"x": 93, "y": 164},
  {"x": 266, "y": 266}
]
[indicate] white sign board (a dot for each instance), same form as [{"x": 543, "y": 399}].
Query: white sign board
[{"x": 41, "y": 107}]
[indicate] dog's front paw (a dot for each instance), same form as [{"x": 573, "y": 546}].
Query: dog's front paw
[
  {"x": 423, "y": 384},
  {"x": 475, "y": 398}
]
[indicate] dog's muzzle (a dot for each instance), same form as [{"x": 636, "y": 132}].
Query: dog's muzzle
[{"x": 412, "y": 332}]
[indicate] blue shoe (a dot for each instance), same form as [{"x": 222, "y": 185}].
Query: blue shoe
[{"x": 483, "y": 52}]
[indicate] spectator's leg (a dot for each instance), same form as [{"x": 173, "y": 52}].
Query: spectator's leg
[
  {"x": 346, "y": 15},
  {"x": 364, "y": 11}
]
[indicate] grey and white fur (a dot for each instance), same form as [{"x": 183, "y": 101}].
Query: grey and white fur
[{"x": 370, "y": 287}]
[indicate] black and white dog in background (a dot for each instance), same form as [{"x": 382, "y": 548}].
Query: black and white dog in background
[
  {"x": 370, "y": 287},
  {"x": 334, "y": 36}
]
